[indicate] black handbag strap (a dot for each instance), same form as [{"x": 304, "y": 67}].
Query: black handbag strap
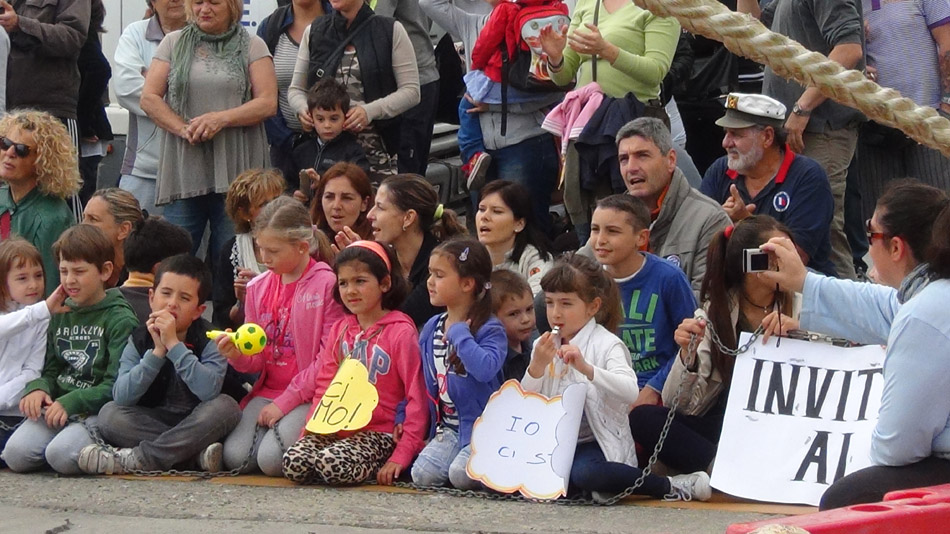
[
  {"x": 593, "y": 58},
  {"x": 338, "y": 51}
]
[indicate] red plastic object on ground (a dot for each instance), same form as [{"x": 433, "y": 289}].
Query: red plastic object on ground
[{"x": 912, "y": 511}]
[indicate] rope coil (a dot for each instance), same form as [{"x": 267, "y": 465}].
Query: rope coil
[{"x": 744, "y": 35}]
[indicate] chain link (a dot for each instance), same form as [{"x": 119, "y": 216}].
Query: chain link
[
  {"x": 9, "y": 428},
  {"x": 258, "y": 430}
]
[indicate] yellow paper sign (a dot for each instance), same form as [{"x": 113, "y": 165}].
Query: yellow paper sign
[{"x": 348, "y": 402}]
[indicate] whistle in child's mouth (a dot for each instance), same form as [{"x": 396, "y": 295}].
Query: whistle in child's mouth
[{"x": 556, "y": 335}]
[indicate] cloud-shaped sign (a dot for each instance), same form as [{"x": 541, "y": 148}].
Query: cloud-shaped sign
[
  {"x": 348, "y": 402},
  {"x": 525, "y": 441}
]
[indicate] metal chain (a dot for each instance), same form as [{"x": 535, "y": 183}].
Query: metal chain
[
  {"x": 9, "y": 428},
  {"x": 258, "y": 429},
  {"x": 714, "y": 337}
]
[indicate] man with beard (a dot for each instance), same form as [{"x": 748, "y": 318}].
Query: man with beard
[{"x": 761, "y": 175}]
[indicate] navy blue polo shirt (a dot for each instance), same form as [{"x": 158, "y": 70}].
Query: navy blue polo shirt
[{"x": 799, "y": 197}]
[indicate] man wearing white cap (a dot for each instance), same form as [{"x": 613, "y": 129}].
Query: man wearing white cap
[{"x": 761, "y": 175}]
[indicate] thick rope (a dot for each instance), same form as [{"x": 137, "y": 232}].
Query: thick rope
[{"x": 742, "y": 34}]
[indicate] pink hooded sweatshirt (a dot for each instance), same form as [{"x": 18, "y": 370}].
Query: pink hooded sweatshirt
[
  {"x": 390, "y": 351},
  {"x": 311, "y": 317}
]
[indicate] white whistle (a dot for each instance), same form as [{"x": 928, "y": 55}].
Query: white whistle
[{"x": 556, "y": 333}]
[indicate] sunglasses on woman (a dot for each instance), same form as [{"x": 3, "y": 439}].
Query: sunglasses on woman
[
  {"x": 872, "y": 235},
  {"x": 21, "y": 150}
]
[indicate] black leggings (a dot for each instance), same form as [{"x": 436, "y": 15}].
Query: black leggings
[
  {"x": 691, "y": 444},
  {"x": 871, "y": 483}
]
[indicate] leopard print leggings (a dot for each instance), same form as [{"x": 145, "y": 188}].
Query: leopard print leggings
[{"x": 323, "y": 459}]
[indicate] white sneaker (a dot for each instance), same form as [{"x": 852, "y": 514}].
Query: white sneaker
[
  {"x": 477, "y": 169},
  {"x": 688, "y": 487},
  {"x": 212, "y": 458},
  {"x": 97, "y": 460}
]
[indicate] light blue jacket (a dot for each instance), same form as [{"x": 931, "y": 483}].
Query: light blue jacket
[{"x": 914, "y": 421}]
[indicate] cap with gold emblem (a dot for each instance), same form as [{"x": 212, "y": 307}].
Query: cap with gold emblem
[{"x": 745, "y": 110}]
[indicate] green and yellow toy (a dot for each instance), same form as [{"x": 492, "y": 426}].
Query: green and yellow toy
[{"x": 250, "y": 338}]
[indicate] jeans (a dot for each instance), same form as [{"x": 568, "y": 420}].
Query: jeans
[
  {"x": 592, "y": 472},
  {"x": 143, "y": 189},
  {"x": 164, "y": 439},
  {"x": 854, "y": 216},
  {"x": 533, "y": 163},
  {"x": 266, "y": 454},
  {"x": 458, "y": 476},
  {"x": 34, "y": 444},
  {"x": 194, "y": 213},
  {"x": 437, "y": 460},
  {"x": 692, "y": 441},
  {"x": 871, "y": 483},
  {"x": 470, "y": 132},
  {"x": 415, "y": 131}
]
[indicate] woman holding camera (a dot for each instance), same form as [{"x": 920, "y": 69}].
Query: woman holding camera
[
  {"x": 910, "y": 445},
  {"x": 734, "y": 301}
]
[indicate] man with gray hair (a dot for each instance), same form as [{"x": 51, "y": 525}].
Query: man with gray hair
[
  {"x": 761, "y": 175},
  {"x": 684, "y": 220}
]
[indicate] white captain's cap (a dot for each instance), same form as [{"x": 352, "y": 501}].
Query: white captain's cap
[{"x": 745, "y": 110}]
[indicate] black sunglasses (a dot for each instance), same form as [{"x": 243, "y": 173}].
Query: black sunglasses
[{"x": 20, "y": 149}]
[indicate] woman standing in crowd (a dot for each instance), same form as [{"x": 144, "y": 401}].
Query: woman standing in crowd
[
  {"x": 116, "y": 213},
  {"x": 39, "y": 172},
  {"x": 910, "y": 444},
  {"x": 341, "y": 200},
  {"x": 408, "y": 216},
  {"x": 625, "y": 49},
  {"x": 506, "y": 225},
  {"x": 210, "y": 86},
  {"x": 283, "y": 30},
  {"x": 733, "y": 302},
  {"x": 133, "y": 55},
  {"x": 376, "y": 65}
]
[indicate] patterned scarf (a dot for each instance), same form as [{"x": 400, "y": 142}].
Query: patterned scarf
[
  {"x": 914, "y": 282},
  {"x": 229, "y": 48}
]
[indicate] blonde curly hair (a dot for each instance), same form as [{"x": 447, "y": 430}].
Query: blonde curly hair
[{"x": 57, "y": 164}]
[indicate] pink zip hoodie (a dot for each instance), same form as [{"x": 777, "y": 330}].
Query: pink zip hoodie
[
  {"x": 390, "y": 350},
  {"x": 312, "y": 316}
]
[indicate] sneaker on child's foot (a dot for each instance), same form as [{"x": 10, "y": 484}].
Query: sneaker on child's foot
[
  {"x": 602, "y": 497},
  {"x": 98, "y": 460},
  {"x": 211, "y": 458},
  {"x": 690, "y": 486},
  {"x": 477, "y": 169}
]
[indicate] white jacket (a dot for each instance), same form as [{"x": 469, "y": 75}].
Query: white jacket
[
  {"x": 133, "y": 55},
  {"x": 530, "y": 266},
  {"x": 609, "y": 396},
  {"x": 22, "y": 352}
]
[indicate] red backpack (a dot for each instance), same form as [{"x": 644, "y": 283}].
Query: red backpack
[{"x": 527, "y": 69}]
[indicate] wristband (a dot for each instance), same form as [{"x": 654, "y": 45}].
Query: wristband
[
  {"x": 557, "y": 67},
  {"x": 945, "y": 99}
]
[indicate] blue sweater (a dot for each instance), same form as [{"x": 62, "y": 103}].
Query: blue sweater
[
  {"x": 914, "y": 421},
  {"x": 483, "y": 356},
  {"x": 655, "y": 301}
]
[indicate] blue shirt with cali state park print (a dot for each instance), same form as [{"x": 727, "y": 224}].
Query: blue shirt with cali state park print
[
  {"x": 798, "y": 197},
  {"x": 655, "y": 301}
]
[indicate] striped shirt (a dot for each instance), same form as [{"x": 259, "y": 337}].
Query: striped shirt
[
  {"x": 285, "y": 59},
  {"x": 448, "y": 414},
  {"x": 900, "y": 45}
]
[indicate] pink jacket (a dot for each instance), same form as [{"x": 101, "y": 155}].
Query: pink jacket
[
  {"x": 568, "y": 119},
  {"x": 390, "y": 351},
  {"x": 313, "y": 314}
]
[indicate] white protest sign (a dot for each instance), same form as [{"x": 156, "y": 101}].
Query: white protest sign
[
  {"x": 525, "y": 441},
  {"x": 799, "y": 417},
  {"x": 255, "y": 11}
]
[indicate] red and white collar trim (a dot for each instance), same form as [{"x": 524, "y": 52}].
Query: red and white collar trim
[{"x": 782, "y": 170}]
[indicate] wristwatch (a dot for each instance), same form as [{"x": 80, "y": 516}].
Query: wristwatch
[
  {"x": 798, "y": 110},
  {"x": 945, "y": 99}
]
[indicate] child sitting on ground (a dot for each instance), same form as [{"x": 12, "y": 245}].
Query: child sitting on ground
[
  {"x": 655, "y": 294},
  {"x": 513, "y": 305},
  {"x": 327, "y": 144},
  {"x": 82, "y": 358},
  {"x": 168, "y": 409},
  {"x": 371, "y": 286},
  {"x": 24, "y": 318},
  {"x": 150, "y": 242},
  {"x": 583, "y": 305}
]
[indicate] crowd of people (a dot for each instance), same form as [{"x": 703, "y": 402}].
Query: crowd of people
[{"x": 294, "y": 161}]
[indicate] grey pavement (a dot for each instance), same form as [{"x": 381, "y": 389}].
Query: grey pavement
[{"x": 43, "y": 502}]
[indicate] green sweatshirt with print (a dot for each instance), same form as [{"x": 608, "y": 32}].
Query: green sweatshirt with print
[{"x": 82, "y": 355}]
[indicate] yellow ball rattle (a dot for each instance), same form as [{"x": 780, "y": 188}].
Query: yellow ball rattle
[{"x": 249, "y": 338}]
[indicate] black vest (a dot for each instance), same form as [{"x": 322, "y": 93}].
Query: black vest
[
  {"x": 374, "y": 49},
  {"x": 168, "y": 390}
]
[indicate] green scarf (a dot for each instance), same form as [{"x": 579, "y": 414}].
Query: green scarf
[{"x": 229, "y": 48}]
